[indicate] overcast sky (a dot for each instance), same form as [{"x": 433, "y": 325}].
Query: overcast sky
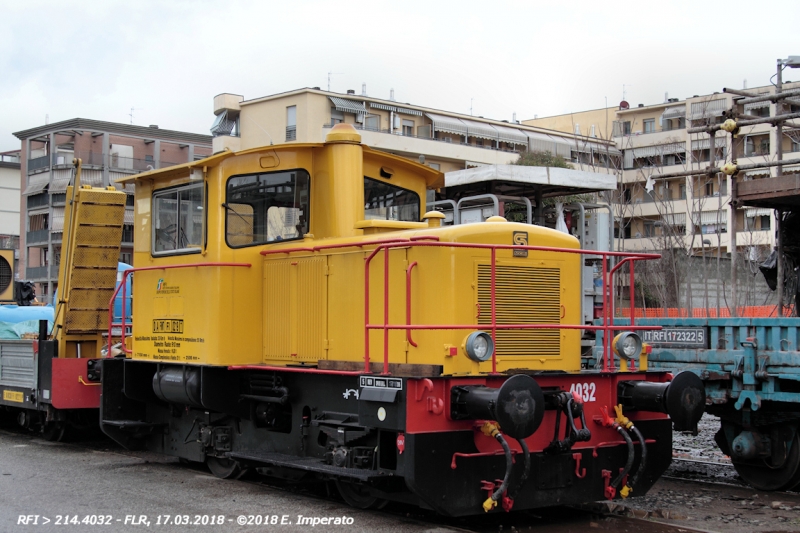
[{"x": 167, "y": 59}]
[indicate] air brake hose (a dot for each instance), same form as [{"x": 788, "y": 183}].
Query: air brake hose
[
  {"x": 629, "y": 463},
  {"x": 491, "y": 502},
  {"x": 628, "y": 488},
  {"x": 526, "y": 469}
]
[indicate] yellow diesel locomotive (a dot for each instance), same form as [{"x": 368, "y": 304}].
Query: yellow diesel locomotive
[{"x": 297, "y": 310}]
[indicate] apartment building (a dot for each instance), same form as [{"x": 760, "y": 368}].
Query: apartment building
[
  {"x": 444, "y": 140},
  {"x": 9, "y": 212},
  {"x": 692, "y": 212},
  {"x": 109, "y": 151}
]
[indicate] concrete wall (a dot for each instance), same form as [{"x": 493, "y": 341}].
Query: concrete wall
[
  {"x": 602, "y": 119},
  {"x": 9, "y": 199}
]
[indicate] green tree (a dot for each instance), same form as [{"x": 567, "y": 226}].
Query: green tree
[
  {"x": 516, "y": 212},
  {"x": 541, "y": 159}
]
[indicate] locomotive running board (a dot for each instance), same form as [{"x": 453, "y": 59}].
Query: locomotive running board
[{"x": 309, "y": 464}]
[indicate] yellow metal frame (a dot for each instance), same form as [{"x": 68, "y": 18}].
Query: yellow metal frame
[{"x": 87, "y": 273}]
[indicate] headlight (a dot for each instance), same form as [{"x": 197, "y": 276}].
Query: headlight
[
  {"x": 479, "y": 346},
  {"x": 627, "y": 345}
]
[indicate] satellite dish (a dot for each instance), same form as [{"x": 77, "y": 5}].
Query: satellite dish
[{"x": 624, "y": 105}]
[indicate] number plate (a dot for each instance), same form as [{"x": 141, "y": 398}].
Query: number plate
[
  {"x": 13, "y": 396},
  {"x": 676, "y": 338},
  {"x": 167, "y": 326}
]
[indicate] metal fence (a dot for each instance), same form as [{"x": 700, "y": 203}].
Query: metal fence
[
  {"x": 36, "y": 236},
  {"x": 37, "y": 200},
  {"x": 36, "y": 273}
]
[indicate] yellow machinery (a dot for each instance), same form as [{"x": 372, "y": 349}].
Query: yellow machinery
[
  {"x": 6, "y": 275},
  {"x": 297, "y": 309},
  {"x": 55, "y": 380},
  {"x": 87, "y": 273}
]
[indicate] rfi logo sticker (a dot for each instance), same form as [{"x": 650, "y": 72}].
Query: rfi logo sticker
[
  {"x": 520, "y": 238},
  {"x": 160, "y": 284}
]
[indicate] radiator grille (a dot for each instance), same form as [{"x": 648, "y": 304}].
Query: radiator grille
[{"x": 524, "y": 295}]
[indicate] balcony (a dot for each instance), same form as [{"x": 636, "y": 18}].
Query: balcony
[
  {"x": 127, "y": 235},
  {"x": 399, "y": 134},
  {"x": 33, "y": 238},
  {"x": 38, "y": 200},
  {"x": 95, "y": 159},
  {"x": 42, "y": 273},
  {"x": 38, "y": 163}
]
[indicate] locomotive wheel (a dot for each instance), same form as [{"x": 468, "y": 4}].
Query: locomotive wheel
[
  {"x": 53, "y": 431},
  {"x": 764, "y": 476},
  {"x": 225, "y": 468},
  {"x": 358, "y": 496}
]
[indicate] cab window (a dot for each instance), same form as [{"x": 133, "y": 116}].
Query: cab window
[
  {"x": 178, "y": 220},
  {"x": 266, "y": 207},
  {"x": 386, "y": 202}
]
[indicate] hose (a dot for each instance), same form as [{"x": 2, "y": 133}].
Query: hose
[
  {"x": 491, "y": 502},
  {"x": 615, "y": 483},
  {"x": 628, "y": 488},
  {"x": 526, "y": 469}
]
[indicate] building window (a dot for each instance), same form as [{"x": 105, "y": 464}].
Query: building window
[
  {"x": 373, "y": 123},
  {"x": 626, "y": 127},
  {"x": 178, "y": 220},
  {"x": 749, "y": 146},
  {"x": 478, "y": 142},
  {"x": 291, "y": 123},
  {"x": 337, "y": 117},
  {"x": 408, "y": 127},
  {"x": 649, "y": 229},
  {"x": 765, "y": 222},
  {"x": 682, "y": 191},
  {"x": 435, "y": 166},
  {"x": 267, "y": 207},
  {"x": 723, "y": 187},
  {"x": 711, "y": 229},
  {"x": 709, "y": 188},
  {"x": 121, "y": 156},
  {"x": 387, "y": 202},
  {"x": 650, "y": 125}
]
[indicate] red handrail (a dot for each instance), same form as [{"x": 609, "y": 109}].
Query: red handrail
[
  {"x": 608, "y": 326},
  {"x": 128, "y": 272},
  {"x": 408, "y": 303}
]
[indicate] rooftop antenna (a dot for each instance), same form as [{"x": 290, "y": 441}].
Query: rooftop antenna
[
  {"x": 329, "y": 79},
  {"x": 470, "y": 106},
  {"x": 623, "y": 90},
  {"x": 131, "y": 113}
]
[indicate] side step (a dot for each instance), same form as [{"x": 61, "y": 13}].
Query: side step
[
  {"x": 132, "y": 424},
  {"x": 309, "y": 464}
]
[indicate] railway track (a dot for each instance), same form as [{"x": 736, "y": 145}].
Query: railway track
[{"x": 555, "y": 520}]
